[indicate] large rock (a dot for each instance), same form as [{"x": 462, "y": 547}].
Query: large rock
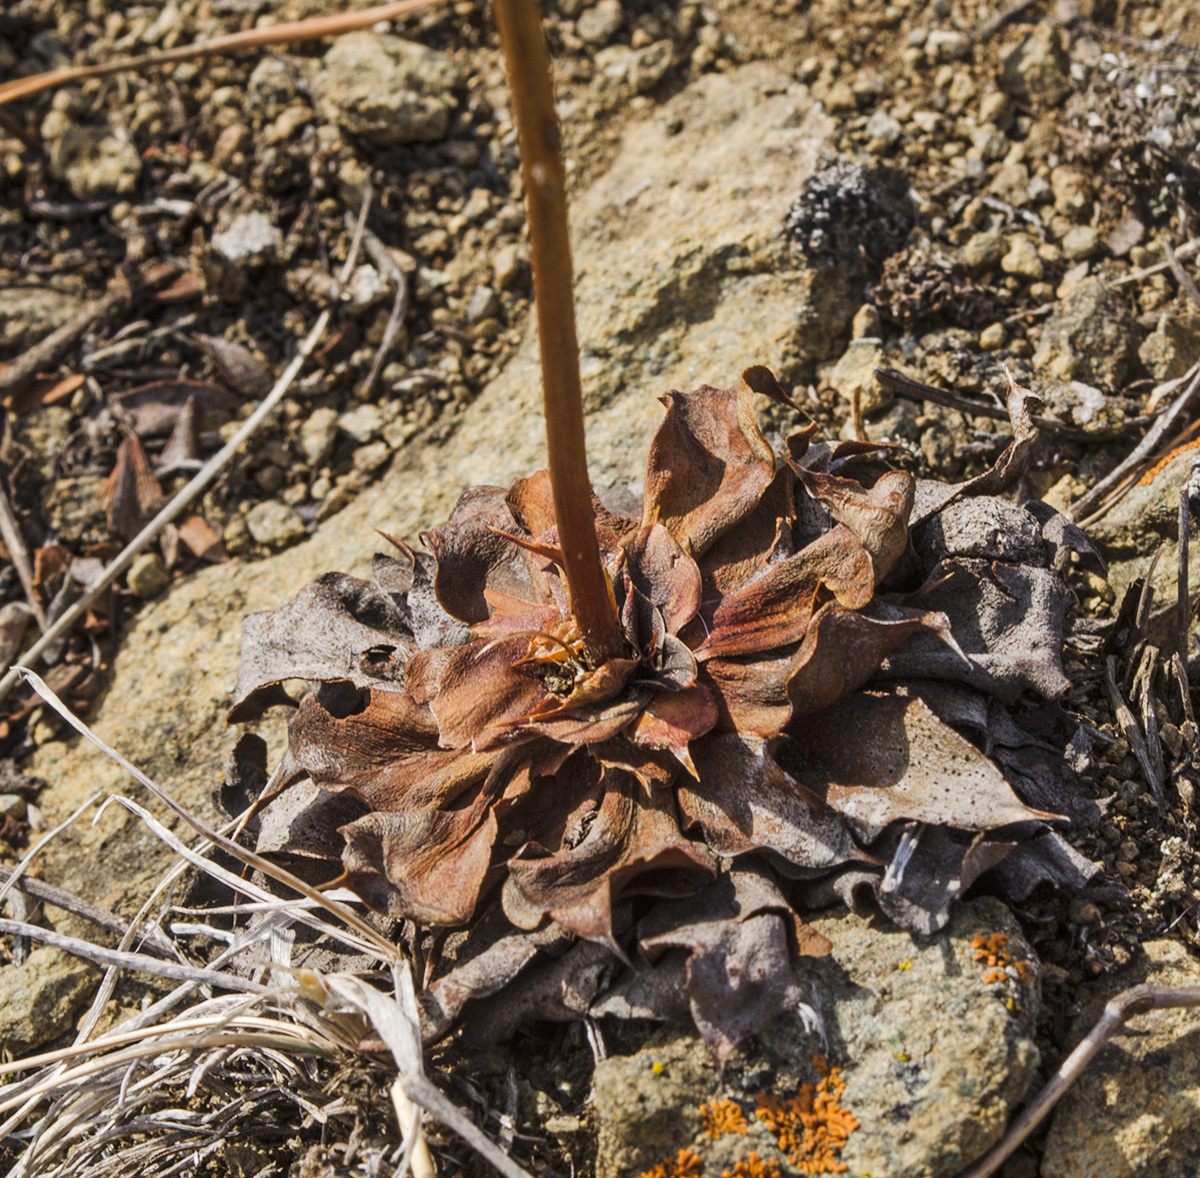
[
  {"x": 935, "y": 1058},
  {"x": 387, "y": 89},
  {"x": 683, "y": 279},
  {"x": 1135, "y": 1112}
]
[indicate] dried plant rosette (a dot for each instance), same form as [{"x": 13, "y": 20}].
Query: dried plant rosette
[
  {"x": 600, "y": 755},
  {"x": 476, "y": 769}
]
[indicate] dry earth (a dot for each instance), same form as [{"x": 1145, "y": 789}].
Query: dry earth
[{"x": 822, "y": 187}]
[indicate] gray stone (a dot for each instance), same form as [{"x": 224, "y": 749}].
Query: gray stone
[
  {"x": 934, "y": 1058},
  {"x": 318, "y": 432},
  {"x": 13, "y": 806},
  {"x": 274, "y": 524},
  {"x": 1080, "y": 242},
  {"x": 248, "y": 238},
  {"x": 1174, "y": 345},
  {"x": 39, "y": 998},
  {"x": 854, "y": 375},
  {"x": 884, "y": 127},
  {"x": 650, "y": 65},
  {"x": 483, "y": 304},
  {"x": 148, "y": 575},
  {"x": 1133, "y": 529},
  {"x": 1135, "y": 1111},
  {"x": 599, "y": 24},
  {"x": 1091, "y": 335},
  {"x": 273, "y": 85},
  {"x": 95, "y": 162},
  {"x": 369, "y": 459},
  {"x": 362, "y": 423},
  {"x": 506, "y": 265},
  {"x": 1036, "y": 68},
  {"x": 30, "y": 313},
  {"x": 1021, "y": 259},
  {"x": 365, "y": 288},
  {"x": 386, "y": 89},
  {"x": 983, "y": 251}
]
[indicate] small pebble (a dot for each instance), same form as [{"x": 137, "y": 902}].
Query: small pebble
[
  {"x": 274, "y": 525},
  {"x": 148, "y": 575},
  {"x": 993, "y": 338}
]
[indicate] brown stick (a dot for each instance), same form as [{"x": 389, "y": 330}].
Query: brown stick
[
  {"x": 285, "y": 34},
  {"x": 46, "y": 353},
  {"x": 1119, "y": 1011},
  {"x": 529, "y": 82},
  {"x": 912, "y": 389}
]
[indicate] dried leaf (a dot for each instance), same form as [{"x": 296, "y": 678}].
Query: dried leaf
[
  {"x": 631, "y": 845},
  {"x": 1008, "y": 619},
  {"x": 201, "y": 539},
  {"x": 154, "y": 409},
  {"x": 182, "y": 451},
  {"x": 237, "y": 365},
  {"x": 131, "y": 490},
  {"x": 744, "y": 802},
  {"x": 339, "y": 627},
  {"x": 708, "y": 465},
  {"x": 880, "y": 759},
  {"x": 474, "y": 555},
  {"x": 931, "y": 868}
]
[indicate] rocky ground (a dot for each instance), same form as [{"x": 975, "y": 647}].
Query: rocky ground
[{"x": 822, "y": 187}]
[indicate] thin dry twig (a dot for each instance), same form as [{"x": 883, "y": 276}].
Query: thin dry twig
[
  {"x": 387, "y": 264},
  {"x": 1157, "y": 432},
  {"x": 18, "y": 552},
  {"x": 284, "y": 34},
  {"x": 1184, "y": 251},
  {"x": 1132, "y": 732},
  {"x": 1186, "y": 283},
  {"x": 912, "y": 389},
  {"x": 1119, "y": 1011},
  {"x": 68, "y": 902},
  {"x": 192, "y": 489},
  {"x": 46, "y": 353},
  {"x": 135, "y": 961}
]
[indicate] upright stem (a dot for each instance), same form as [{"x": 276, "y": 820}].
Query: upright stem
[{"x": 529, "y": 83}]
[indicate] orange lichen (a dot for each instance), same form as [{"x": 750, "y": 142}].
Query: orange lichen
[
  {"x": 753, "y": 1167},
  {"x": 685, "y": 1164},
  {"x": 721, "y": 1117},
  {"x": 812, "y": 1127},
  {"x": 1152, "y": 473},
  {"x": 992, "y": 950}
]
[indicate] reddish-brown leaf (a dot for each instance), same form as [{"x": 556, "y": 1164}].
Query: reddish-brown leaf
[
  {"x": 472, "y": 557},
  {"x": 631, "y": 845},
  {"x": 708, "y": 465},
  {"x": 484, "y": 694},
  {"x": 673, "y": 719},
  {"x": 428, "y": 865}
]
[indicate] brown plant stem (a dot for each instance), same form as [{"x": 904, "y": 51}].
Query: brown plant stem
[{"x": 528, "y": 64}]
